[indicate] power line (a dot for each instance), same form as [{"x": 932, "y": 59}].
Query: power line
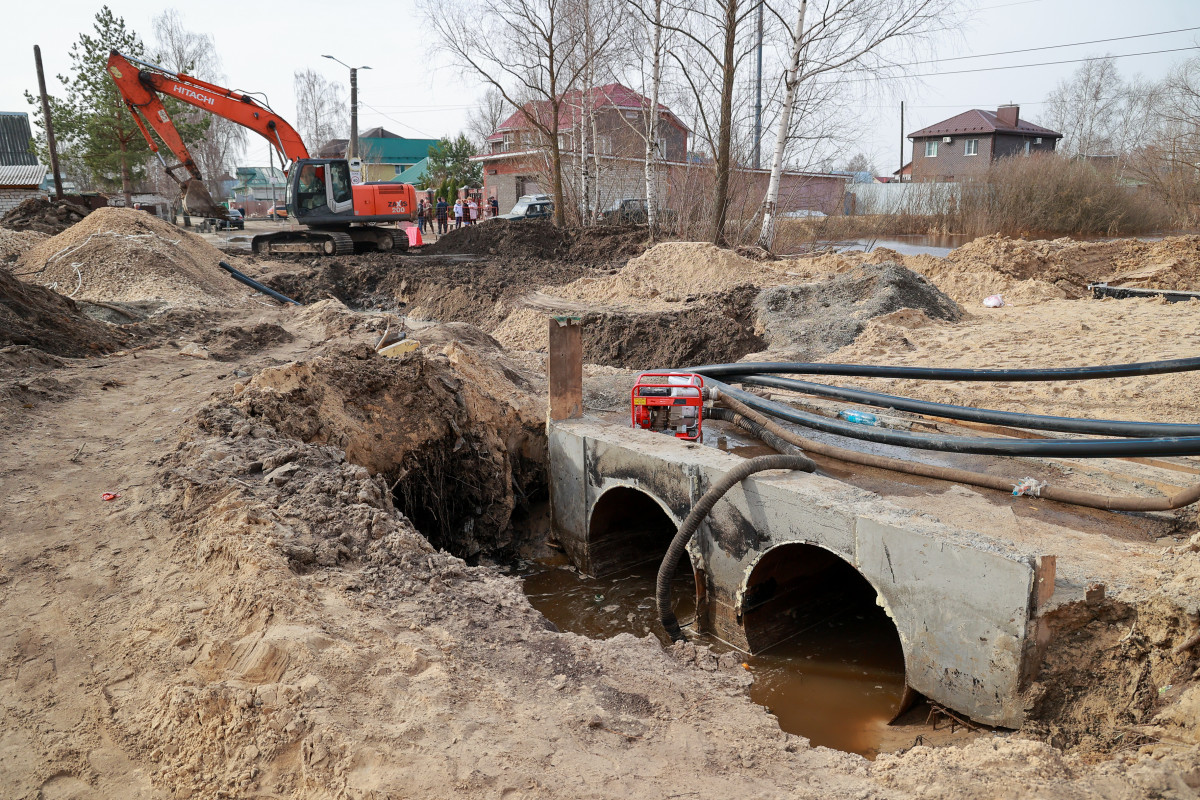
[
  {"x": 1053, "y": 46},
  {"x": 398, "y": 122},
  {"x": 1046, "y": 63}
]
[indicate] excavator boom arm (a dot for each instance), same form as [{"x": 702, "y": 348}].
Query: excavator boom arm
[{"x": 141, "y": 83}]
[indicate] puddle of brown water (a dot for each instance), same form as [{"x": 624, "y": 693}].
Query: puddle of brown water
[{"x": 838, "y": 684}]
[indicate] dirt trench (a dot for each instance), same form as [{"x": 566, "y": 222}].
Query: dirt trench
[{"x": 461, "y": 449}]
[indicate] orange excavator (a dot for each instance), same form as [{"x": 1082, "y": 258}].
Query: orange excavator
[{"x": 336, "y": 213}]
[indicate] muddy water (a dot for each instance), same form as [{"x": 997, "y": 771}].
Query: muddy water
[{"x": 838, "y": 683}]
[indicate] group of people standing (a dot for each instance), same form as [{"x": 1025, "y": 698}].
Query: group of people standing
[{"x": 463, "y": 212}]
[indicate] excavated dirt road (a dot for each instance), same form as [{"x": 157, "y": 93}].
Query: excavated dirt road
[{"x": 256, "y": 616}]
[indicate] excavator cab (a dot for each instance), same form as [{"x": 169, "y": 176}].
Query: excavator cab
[{"x": 320, "y": 191}]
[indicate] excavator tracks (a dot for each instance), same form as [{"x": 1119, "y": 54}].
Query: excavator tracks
[{"x": 321, "y": 243}]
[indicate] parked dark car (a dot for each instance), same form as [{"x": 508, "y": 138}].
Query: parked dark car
[
  {"x": 237, "y": 220},
  {"x": 632, "y": 211},
  {"x": 530, "y": 207}
]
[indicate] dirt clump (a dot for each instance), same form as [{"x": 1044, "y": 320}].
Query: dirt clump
[
  {"x": 673, "y": 272},
  {"x": 458, "y": 434},
  {"x": 35, "y": 316},
  {"x": 236, "y": 341},
  {"x": 121, "y": 255},
  {"x": 1110, "y": 669},
  {"x": 14, "y": 243},
  {"x": 542, "y": 239},
  {"x": 44, "y": 215},
  {"x": 811, "y": 320}
]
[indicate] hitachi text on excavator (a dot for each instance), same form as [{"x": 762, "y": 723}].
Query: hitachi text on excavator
[{"x": 336, "y": 215}]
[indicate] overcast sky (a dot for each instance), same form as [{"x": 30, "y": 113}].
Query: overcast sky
[{"x": 409, "y": 92}]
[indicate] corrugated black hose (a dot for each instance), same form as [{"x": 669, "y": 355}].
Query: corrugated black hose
[{"x": 687, "y": 528}]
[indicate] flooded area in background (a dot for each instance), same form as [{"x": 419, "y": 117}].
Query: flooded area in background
[{"x": 838, "y": 683}]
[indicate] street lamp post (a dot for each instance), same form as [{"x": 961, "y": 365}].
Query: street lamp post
[{"x": 353, "y": 150}]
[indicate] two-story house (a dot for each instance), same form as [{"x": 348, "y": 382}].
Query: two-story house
[
  {"x": 965, "y": 145},
  {"x": 515, "y": 160}
]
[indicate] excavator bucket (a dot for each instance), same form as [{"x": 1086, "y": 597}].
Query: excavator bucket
[{"x": 197, "y": 202}]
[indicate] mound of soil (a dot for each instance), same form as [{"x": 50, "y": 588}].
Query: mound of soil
[
  {"x": 446, "y": 289},
  {"x": 811, "y": 320},
  {"x": 33, "y": 315},
  {"x": 14, "y": 243},
  {"x": 672, "y": 272},
  {"x": 232, "y": 343},
  {"x": 457, "y": 436},
  {"x": 122, "y": 255},
  {"x": 44, "y": 215},
  {"x": 541, "y": 239}
]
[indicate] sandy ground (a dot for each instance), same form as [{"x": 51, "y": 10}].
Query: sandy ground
[{"x": 254, "y": 617}]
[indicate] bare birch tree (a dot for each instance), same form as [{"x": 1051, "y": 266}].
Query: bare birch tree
[
  {"x": 712, "y": 47},
  {"x": 525, "y": 50},
  {"x": 489, "y": 113},
  {"x": 838, "y": 38},
  {"x": 320, "y": 108},
  {"x": 184, "y": 50}
]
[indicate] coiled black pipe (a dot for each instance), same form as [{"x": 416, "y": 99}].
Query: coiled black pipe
[
  {"x": 1053, "y": 448},
  {"x": 754, "y": 429},
  {"x": 687, "y": 528},
  {"x": 1102, "y": 427},
  {"x": 940, "y": 374}
]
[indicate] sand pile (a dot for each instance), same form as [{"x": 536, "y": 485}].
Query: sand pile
[
  {"x": 1173, "y": 263},
  {"x": 810, "y": 320},
  {"x": 14, "y": 243},
  {"x": 1057, "y": 333},
  {"x": 673, "y": 272},
  {"x": 44, "y": 215},
  {"x": 35, "y": 316},
  {"x": 122, "y": 255}
]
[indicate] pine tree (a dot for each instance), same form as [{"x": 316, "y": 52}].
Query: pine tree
[
  {"x": 93, "y": 117},
  {"x": 449, "y": 160}
]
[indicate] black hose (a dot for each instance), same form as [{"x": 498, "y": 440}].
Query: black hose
[
  {"x": 937, "y": 374},
  {"x": 1054, "y": 448},
  {"x": 1102, "y": 427},
  {"x": 687, "y": 528},
  {"x": 754, "y": 429},
  {"x": 253, "y": 284}
]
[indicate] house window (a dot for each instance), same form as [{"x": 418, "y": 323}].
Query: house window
[
  {"x": 931, "y": 149},
  {"x": 399, "y": 168},
  {"x": 971, "y": 148}
]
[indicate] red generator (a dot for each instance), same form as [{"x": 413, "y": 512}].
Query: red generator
[{"x": 669, "y": 402}]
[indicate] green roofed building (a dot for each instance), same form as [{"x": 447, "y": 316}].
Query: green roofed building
[
  {"x": 416, "y": 174},
  {"x": 385, "y": 155}
]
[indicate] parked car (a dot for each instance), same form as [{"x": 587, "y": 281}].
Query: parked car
[
  {"x": 632, "y": 211},
  {"x": 237, "y": 220},
  {"x": 278, "y": 212},
  {"x": 530, "y": 206}
]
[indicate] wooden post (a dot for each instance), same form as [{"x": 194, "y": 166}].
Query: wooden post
[
  {"x": 566, "y": 368},
  {"x": 37, "y": 57}
]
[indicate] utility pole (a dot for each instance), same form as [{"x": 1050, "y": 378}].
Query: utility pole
[
  {"x": 758, "y": 93},
  {"x": 37, "y": 57},
  {"x": 353, "y": 113},
  {"x": 900, "y": 174},
  {"x": 352, "y": 151}
]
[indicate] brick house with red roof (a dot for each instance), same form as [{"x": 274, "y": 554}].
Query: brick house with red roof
[
  {"x": 516, "y": 162},
  {"x": 965, "y": 145}
]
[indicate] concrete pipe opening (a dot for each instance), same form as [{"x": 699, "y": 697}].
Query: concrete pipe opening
[
  {"x": 628, "y": 528},
  {"x": 828, "y": 661}
]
